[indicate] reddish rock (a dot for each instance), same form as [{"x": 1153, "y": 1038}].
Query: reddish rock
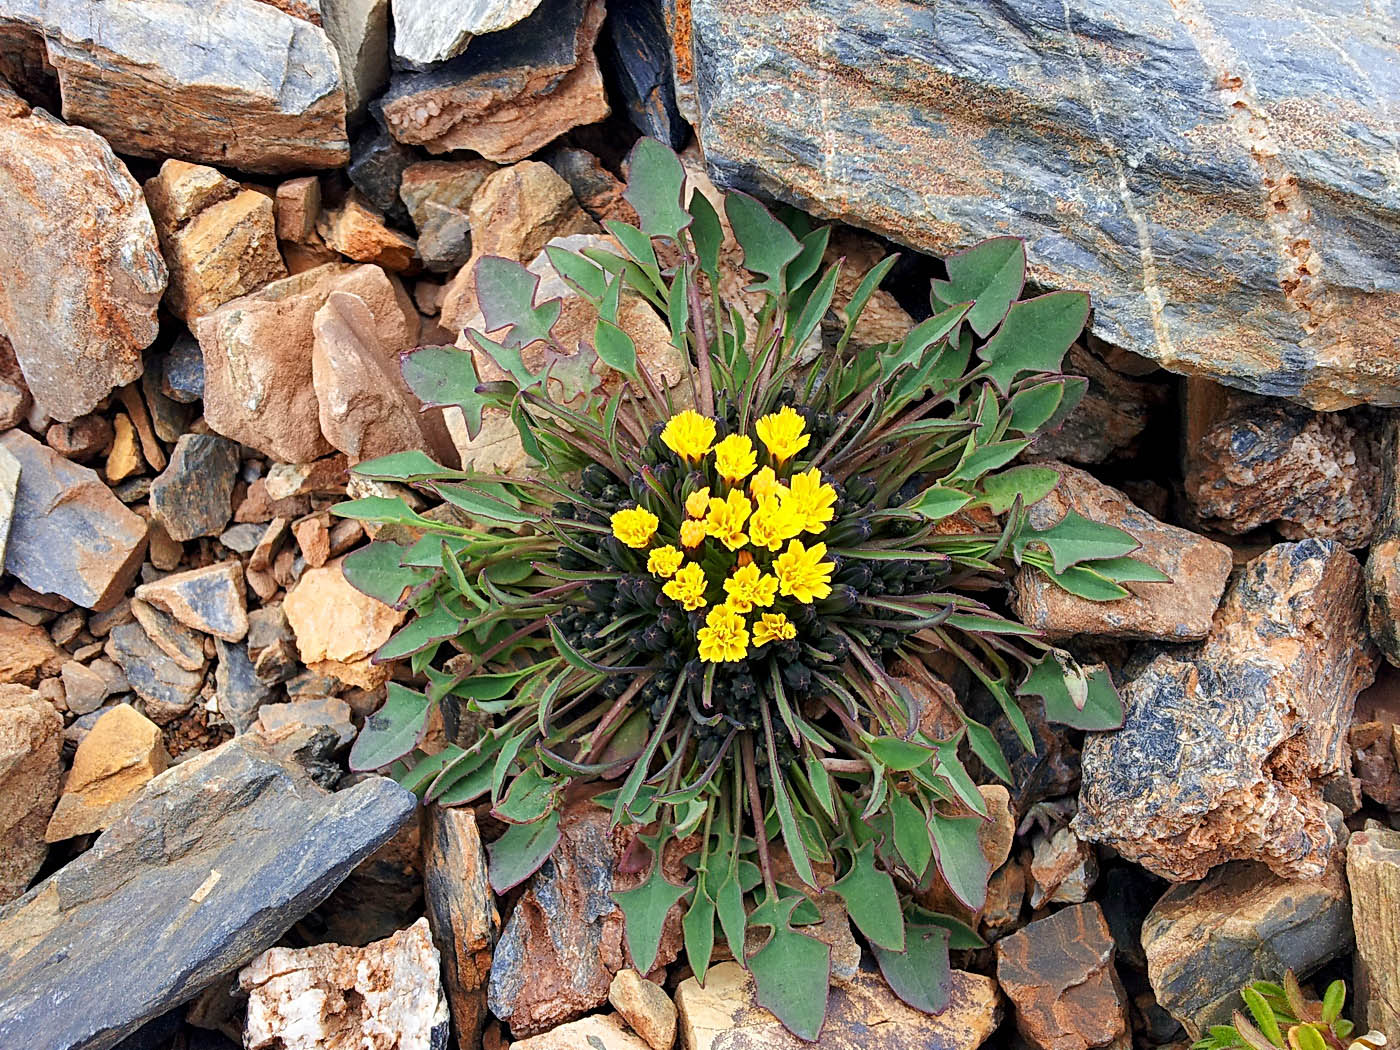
[
  {"x": 1373, "y": 871},
  {"x": 1059, "y": 974},
  {"x": 314, "y": 539},
  {"x": 596, "y": 188},
  {"x": 31, "y": 738},
  {"x": 646, "y": 1008},
  {"x": 298, "y": 206},
  {"x": 357, "y": 231},
  {"x": 438, "y": 194},
  {"x": 79, "y": 310},
  {"x": 81, "y": 439},
  {"x": 26, "y": 653},
  {"x": 15, "y": 401},
  {"x": 1108, "y": 423}
]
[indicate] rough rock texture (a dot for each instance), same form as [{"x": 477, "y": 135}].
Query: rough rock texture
[
  {"x": 596, "y": 1032},
  {"x": 512, "y": 92},
  {"x": 1212, "y": 185},
  {"x": 359, "y": 32},
  {"x": 1383, "y": 562},
  {"x": 637, "y": 47},
  {"x": 219, "y": 240},
  {"x": 438, "y": 194},
  {"x": 257, "y": 356},
  {"x": 1063, "y": 869},
  {"x": 462, "y": 914},
  {"x": 357, "y": 231},
  {"x": 9, "y": 490},
  {"x": 243, "y": 838},
  {"x": 31, "y": 737},
  {"x": 167, "y": 690},
  {"x": 239, "y": 83},
  {"x": 1177, "y": 611},
  {"x": 429, "y": 31},
  {"x": 386, "y": 995},
  {"x": 1206, "y": 940},
  {"x": 1314, "y": 474},
  {"x": 211, "y": 599},
  {"x": 121, "y": 752},
  {"x": 1373, "y": 870},
  {"x": 646, "y": 1008},
  {"x": 193, "y": 496},
  {"x": 1108, "y": 423},
  {"x": 864, "y": 1015},
  {"x": 80, "y": 311},
  {"x": 1059, "y": 973},
  {"x": 337, "y": 628},
  {"x": 60, "y": 506},
  {"x": 26, "y": 653},
  {"x": 1222, "y": 748}
]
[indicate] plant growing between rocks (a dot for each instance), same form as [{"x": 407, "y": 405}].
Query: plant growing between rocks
[
  {"x": 692, "y": 607},
  {"x": 1285, "y": 1018}
]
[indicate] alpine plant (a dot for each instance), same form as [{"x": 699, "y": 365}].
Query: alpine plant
[{"x": 691, "y": 605}]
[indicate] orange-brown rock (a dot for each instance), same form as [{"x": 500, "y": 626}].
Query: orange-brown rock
[
  {"x": 1373, "y": 872},
  {"x": 337, "y": 628},
  {"x": 121, "y": 752},
  {"x": 31, "y": 737},
  {"x": 596, "y": 1032},
  {"x": 358, "y": 232},
  {"x": 438, "y": 194},
  {"x": 646, "y": 1008},
  {"x": 26, "y": 653},
  {"x": 298, "y": 206}
]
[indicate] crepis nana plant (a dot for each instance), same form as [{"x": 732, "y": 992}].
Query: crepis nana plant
[
  {"x": 691, "y": 604},
  {"x": 1281, "y": 1017}
]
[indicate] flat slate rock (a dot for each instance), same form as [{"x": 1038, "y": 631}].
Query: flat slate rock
[
  {"x": 211, "y": 865},
  {"x": 193, "y": 496}
]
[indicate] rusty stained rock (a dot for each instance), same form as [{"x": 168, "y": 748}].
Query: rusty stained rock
[
  {"x": 31, "y": 738},
  {"x": 210, "y": 598},
  {"x": 357, "y": 231},
  {"x": 1224, "y": 744},
  {"x": 121, "y": 752},
  {"x": 1176, "y": 611},
  {"x": 1373, "y": 871},
  {"x": 438, "y": 195},
  {"x": 27, "y": 653}
]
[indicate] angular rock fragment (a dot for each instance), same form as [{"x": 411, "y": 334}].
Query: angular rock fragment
[
  {"x": 84, "y": 689},
  {"x": 238, "y": 691},
  {"x": 337, "y": 628},
  {"x": 358, "y": 232},
  {"x": 327, "y": 712},
  {"x": 377, "y": 164},
  {"x": 182, "y": 371},
  {"x": 121, "y": 752},
  {"x": 167, "y": 689},
  {"x": 1109, "y": 422},
  {"x": 596, "y": 1032},
  {"x": 438, "y": 194},
  {"x": 213, "y": 862},
  {"x": 359, "y": 32},
  {"x": 79, "y": 311},
  {"x": 596, "y": 188},
  {"x": 645, "y": 1007},
  {"x": 31, "y": 739},
  {"x": 62, "y": 507},
  {"x": 428, "y": 32},
  {"x": 209, "y": 599},
  {"x": 193, "y": 496},
  {"x": 297, "y": 207},
  {"x": 1373, "y": 872},
  {"x": 1221, "y": 752},
  {"x": 638, "y": 48},
  {"x": 182, "y": 645},
  {"x": 26, "y": 653},
  {"x": 1063, "y": 869}
]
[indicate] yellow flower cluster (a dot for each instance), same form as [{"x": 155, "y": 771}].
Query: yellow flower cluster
[{"x": 757, "y": 555}]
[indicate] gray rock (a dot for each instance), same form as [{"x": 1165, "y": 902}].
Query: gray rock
[
  {"x": 84, "y": 689},
  {"x": 359, "y": 32},
  {"x": 238, "y": 691},
  {"x": 639, "y": 50},
  {"x": 242, "y": 539},
  {"x": 215, "y": 860},
  {"x": 167, "y": 688},
  {"x": 429, "y": 31},
  {"x": 377, "y": 163},
  {"x": 437, "y": 194},
  {"x": 184, "y": 646},
  {"x": 182, "y": 371},
  {"x": 9, "y": 489},
  {"x": 326, "y": 711},
  {"x": 210, "y": 599},
  {"x": 1214, "y": 174},
  {"x": 69, "y": 535},
  {"x": 193, "y": 496}
]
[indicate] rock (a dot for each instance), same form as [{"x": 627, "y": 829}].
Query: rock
[
  {"x": 182, "y": 371},
  {"x": 1063, "y": 868},
  {"x": 15, "y": 401},
  {"x": 512, "y": 92},
  {"x": 79, "y": 312},
  {"x": 257, "y": 356},
  {"x": 426, "y": 33},
  {"x": 167, "y": 688},
  {"x": 26, "y": 653},
  {"x": 84, "y": 690},
  {"x": 213, "y": 862},
  {"x": 220, "y": 241},
  {"x": 82, "y": 439},
  {"x": 1177, "y": 611},
  {"x": 328, "y": 711},
  {"x": 31, "y": 738},
  {"x": 62, "y": 507},
  {"x": 243, "y": 85},
  {"x": 9, "y": 490},
  {"x": 313, "y": 539},
  {"x": 209, "y": 599},
  {"x": 597, "y": 1032},
  {"x": 1241, "y": 923},
  {"x": 238, "y": 691},
  {"x": 298, "y": 206},
  {"x": 121, "y": 752},
  {"x": 438, "y": 194},
  {"x": 724, "y": 1014},
  {"x": 193, "y": 496},
  {"x": 329, "y": 997},
  {"x": 1373, "y": 871},
  {"x": 381, "y": 896},
  {"x": 638, "y": 48},
  {"x": 184, "y": 646},
  {"x": 1108, "y": 423},
  {"x": 357, "y": 231},
  {"x": 461, "y": 912},
  {"x": 124, "y": 459},
  {"x": 596, "y": 188},
  {"x": 977, "y": 130},
  {"x": 1222, "y": 750},
  {"x": 359, "y": 32},
  {"x": 377, "y": 163},
  {"x": 1059, "y": 973},
  {"x": 645, "y": 1007},
  {"x": 337, "y": 628},
  {"x": 1312, "y": 473}
]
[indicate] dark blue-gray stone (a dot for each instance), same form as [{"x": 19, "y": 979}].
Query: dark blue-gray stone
[
  {"x": 182, "y": 371},
  {"x": 193, "y": 496},
  {"x": 637, "y": 49}
]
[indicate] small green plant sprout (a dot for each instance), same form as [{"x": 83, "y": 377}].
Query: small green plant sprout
[
  {"x": 1285, "y": 1019},
  {"x": 690, "y": 606}
]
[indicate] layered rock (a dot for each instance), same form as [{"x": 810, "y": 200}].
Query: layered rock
[
  {"x": 426, "y": 32},
  {"x": 1156, "y": 158},
  {"x": 31, "y": 737},
  {"x": 1373, "y": 872},
  {"x": 166, "y": 687},
  {"x": 357, "y": 231},
  {"x": 359, "y": 32}
]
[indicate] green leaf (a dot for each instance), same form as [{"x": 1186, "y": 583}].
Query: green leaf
[
  {"x": 644, "y": 910},
  {"x": 655, "y": 182},
  {"x": 1263, "y": 1015},
  {"x": 911, "y": 835},
  {"x": 1057, "y": 686},
  {"x": 529, "y": 797},
  {"x": 960, "y": 859},
  {"x": 989, "y": 457},
  {"x": 421, "y": 631},
  {"x": 376, "y": 570},
  {"x": 1333, "y": 1000},
  {"x": 984, "y": 745},
  {"x": 506, "y": 292},
  {"x": 706, "y": 232},
  {"x": 1082, "y": 581},
  {"x": 698, "y": 929},
  {"x": 1035, "y": 336},
  {"x": 792, "y": 971},
  {"x": 615, "y": 348},
  {"x": 815, "y": 309},
  {"x": 638, "y": 245},
  {"x": 733, "y": 919},
  {"x": 490, "y": 686},
  {"x": 939, "y": 502},
  {"x": 479, "y": 505},
  {"x": 1034, "y": 406},
  {"x": 990, "y": 275},
  {"x": 868, "y": 284},
  {"x": 412, "y": 465},
  {"x": 518, "y": 854},
  {"x": 820, "y": 781},
  {"x": 581, "y": 274},
  {"x": 443, "y": 375},
  {"x": 1074, "y": 539},
  {"x": 1128, "y": 570},
  {"x": 871, "y": 900},
  {"x": 787, "y": 821},
  {"x": 392, "y": 731},
  {"x": 808, "y": 261},
  {"x": 961, "y": 936},
  {"x": 1032, "y": 484},
  {"x": 768, "y": 245},
  {"x": 899, "y": 755},
  {"x": 384, "y": 510},
  {"x": 921, "y": 975}
]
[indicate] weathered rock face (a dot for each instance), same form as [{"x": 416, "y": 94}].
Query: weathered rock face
[
  {"x": 1177, "y": 611},
  {"x": 646, "y": 1008},
  {"x": 329, "y": 997},
  {"x": 1109, "y": 422},
  {"x": 80, "y": 311},
  {"x": 1373, "y": 870},
  {"x": 426, "y": 32},
  {"x": 121, "y": 752},
  {"x": 209, "y": 599},
  {"x": 438, "y": 194},
  {"x": 69, "y": 535},
  {"x": 167, "y": 689},
  {"x": 359, "y": 32},
  {"x": 31, "y": 737},
  {"x": 193, "y": 496},
  {"x": 1211, "y": 185},
  {"x": 357, "y": 231},
  {"x": 337, "y": 628},
  {"x": 240, "y": 84},
  {"x": 462, "y": 914},
  {"x": 27, "y": 653},
  {"x": 1207, "y": 940},
  {"x": 1222, "y": 749},
  {"x": 244, "y": 838}
]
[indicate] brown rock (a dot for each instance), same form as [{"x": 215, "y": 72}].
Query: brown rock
[
  {"x": 257, "y": 355},
  {"x": 62, "y": 507},
  {"x": 1108, "y": 422},
  {"x": 598, "y": 1032},
  {"x": 15, "y": 401},
  {"x": 84, "y": 689},
  {"x": 314, "y": 538},
  {"x": 124, "y": 459},
  {"x": 596, "y": 188},
  {"x": 462, "y": 914},
  {"x": 179, "y": 643},
  {"x": 209, "y": 599},
  {"x": 219, "y": 241},
  {"x": 337, "y": 628},
  {"x": 358, "y": 232},
  {"x": 26, "y": 653},
  {"x": 324, "y": 477},
  {"x": 31, "y": 737},
  {"x": 113, "y": 763},
  {"x": 1383, "y": 564},
  {"x": 1063, "y": 869},
  {"x": 1373, "y": 871},
  {"x": 1059, "y": 973},
  {"x": 438, "y": 194},
  {"x": 645, "y": 1007},
  {"x": 298, "y": 206},
  {"x": 1177, "y": 611},
  {"x": 79, "y": 311},
  {"x": 82, "y": 438}
]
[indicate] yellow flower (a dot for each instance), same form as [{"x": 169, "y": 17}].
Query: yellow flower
[
  {"x": 765, "y": 483},
  {"x": 774, "y": 523},
  {"x": 692, "y": 532},
  {"x": 783, "y": 434},
  {"x": 724, "y": 636},
  {"x": 687, "y": 586},
  {"x": 635, "y": 526},
  {"x": 664, "y": 561},
  {"x": 749, "y": 587},
  {"x": 697, "y": 502},
  {"x": 689, "y": 435},
  {"x": 725, "y": 520},
  {"x": 735, "y": 458},
  {"x": 812, "y": 501},
  {"x": 772, "y": 627},
  {"x": 801, "y": 572}
]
